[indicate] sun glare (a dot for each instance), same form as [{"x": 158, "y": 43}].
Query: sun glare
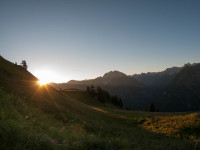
[
  {"x": 42, "y": 82},
  {"x": 47, "y": 76}
]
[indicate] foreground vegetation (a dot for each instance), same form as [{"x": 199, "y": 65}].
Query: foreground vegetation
[{"x": 24, "y": 126}]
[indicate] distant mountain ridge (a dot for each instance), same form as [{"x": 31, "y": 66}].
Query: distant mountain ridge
[
  {"x": 140, "y": 90},
  {"x": 157, "y": 79},
  {"x": 108, "y": 79},
  {"x": 116, "y": 83},
  {"x": 137, "y": 91},
  {"x": 114, "y": 74}
]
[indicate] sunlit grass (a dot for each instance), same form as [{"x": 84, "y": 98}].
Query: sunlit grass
[{"x": 182, "y": 126}]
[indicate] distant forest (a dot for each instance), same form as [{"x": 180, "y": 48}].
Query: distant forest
[{"x": 103, "y": 96}]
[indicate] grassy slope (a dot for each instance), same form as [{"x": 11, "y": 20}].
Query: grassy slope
[{"x": 35, "y": 117}]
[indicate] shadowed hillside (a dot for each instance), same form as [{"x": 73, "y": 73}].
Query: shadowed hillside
[
  {"x": 183, "y": 92},
  {"x": 11, "y": 71}
]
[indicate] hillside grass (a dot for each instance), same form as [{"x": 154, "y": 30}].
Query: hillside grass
[
  {"x": 84, "y": 97},
  {"x": 185, "y": 126},
  {"x": 77, "y": 125}
]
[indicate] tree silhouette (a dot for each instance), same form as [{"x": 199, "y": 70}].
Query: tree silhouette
[
  {"x": 88, "y": 89},
  {"x": 120, "y": 103},
  {"x": 100, "y": 95},
  {"x": 23, "y": 63},
  {"x": 103, "y": 96},
  {"x": 152, "y": 108},
  {"x": 92, "y": 90}
]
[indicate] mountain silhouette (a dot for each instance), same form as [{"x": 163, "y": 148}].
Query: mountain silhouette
[
  {"x": 116, "y": 83},
  {"x": 174, "y": 89},
  {"x": 157, "y": 79}
]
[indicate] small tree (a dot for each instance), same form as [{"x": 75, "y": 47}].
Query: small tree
[
  {"x": 23, "y": 63},
  {"x": 152, "y": 108},
  {"x": 100, "y": 95},
  {"x": 88, "y": 89},
  {"x": 92, "y": 90}
]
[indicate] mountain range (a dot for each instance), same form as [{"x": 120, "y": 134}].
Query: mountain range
[{"x": 174, "y": 89}]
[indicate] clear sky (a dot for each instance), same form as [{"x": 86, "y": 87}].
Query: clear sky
[{"x": 81, "y": 39}]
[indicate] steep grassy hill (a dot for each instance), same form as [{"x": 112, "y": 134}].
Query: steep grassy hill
[
  {"x": 41, "y": 117},
  {"x": 10, "y": 71}
]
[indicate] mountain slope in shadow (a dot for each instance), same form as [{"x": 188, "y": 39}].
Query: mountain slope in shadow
[
  {"x": 174, "y": 89},
  {"x": 183, "y": 92},
  {"x": 116, "y": 83}
]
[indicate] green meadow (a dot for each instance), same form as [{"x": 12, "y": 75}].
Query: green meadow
[{"x": 73, "y": 124}]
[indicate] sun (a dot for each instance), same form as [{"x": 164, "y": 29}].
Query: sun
[
  {"x": 46, "y": 76},
  {"x": 41, "y": 82}
]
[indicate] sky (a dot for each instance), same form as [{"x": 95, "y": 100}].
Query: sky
[{"x": 62, "y": 40}]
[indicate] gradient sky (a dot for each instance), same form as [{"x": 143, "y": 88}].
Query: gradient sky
[{"x": 82, "y": 39}]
